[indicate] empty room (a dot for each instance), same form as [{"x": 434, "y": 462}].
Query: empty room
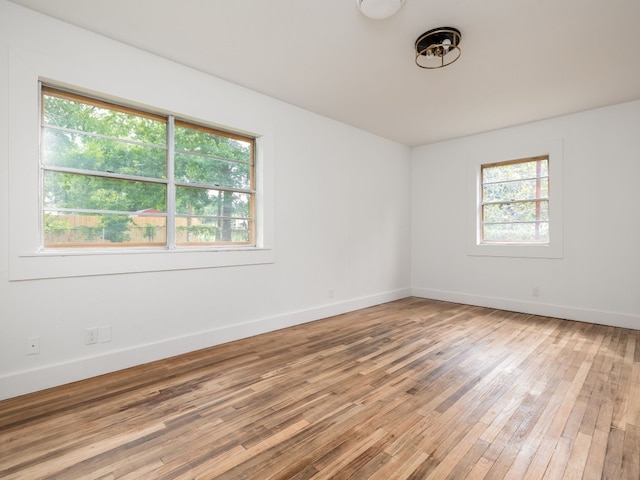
[{"x": 337, "y": 239}]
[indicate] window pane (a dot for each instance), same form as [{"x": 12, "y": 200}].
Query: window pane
[
  {"x": 79, "y": 229},
  {"x": 65, "y": 190},
  {"x": 517, "y": 232},
  {"x": 515, "y": 171},
  {"x": 212, "y": 230},
  {"x": 210, "y": 202},
  {"x": 89, "y": 145},
  {"x": 212, "y": 170},
  {"x": 516, "y": 212},
  {"x": 76, "y": 115},
  {"x": 75, "y": 150},
  {"x": 203, "y": 141},
  {"x": 518, "y": 190}
]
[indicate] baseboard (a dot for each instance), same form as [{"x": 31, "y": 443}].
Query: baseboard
[
  {"x": 29, "y": 381},
  {"x": 537, "y": 308}
]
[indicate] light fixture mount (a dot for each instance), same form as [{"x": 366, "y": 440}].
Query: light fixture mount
[
  {"x": 438, "y": 47},
  {"x": 379, "y": 9}
]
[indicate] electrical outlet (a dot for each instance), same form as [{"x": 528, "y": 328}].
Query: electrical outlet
[
  {"x": 91, "y": 336},
  {"x": 105, "y": 334},
  {"x": 536, "y": 291},
  {"x": 331, "y": 293},
  {"x": 33, "y": 345}
]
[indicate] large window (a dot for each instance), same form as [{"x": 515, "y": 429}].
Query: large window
[
  {"x": 515, "y": 201},
  {"x": 115, "y": 176}
]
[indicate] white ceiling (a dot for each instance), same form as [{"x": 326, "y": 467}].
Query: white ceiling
[{"x": 522, "y": 60}]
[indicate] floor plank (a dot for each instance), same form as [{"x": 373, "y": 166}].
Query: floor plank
[{"x": 411, "y": 389}]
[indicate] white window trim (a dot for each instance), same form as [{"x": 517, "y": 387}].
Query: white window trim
[
  {"x": 554, "y": 249},
  {"x": 28, "y": 262}
]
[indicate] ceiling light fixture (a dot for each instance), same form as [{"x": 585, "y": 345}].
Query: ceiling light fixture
[
  {"x": 438, "y": 48},
  {"x": 379, "y": 9}
]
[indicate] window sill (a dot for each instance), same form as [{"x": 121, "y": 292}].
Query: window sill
[
  {"x": 76, "y": 263},
  {"x": 515, "y": 250}
]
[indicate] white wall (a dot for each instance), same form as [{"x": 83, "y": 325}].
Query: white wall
[
  {"x": 341, "y": 221},
  {"x": 598, "y": 277}
]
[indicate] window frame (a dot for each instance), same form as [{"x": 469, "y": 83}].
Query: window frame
[
  {"x": 538, "y": 200},
  {"x": 169, "y": 181},
  {"x": 199, "y": 99},
  {"x": 497, "y": 153}
]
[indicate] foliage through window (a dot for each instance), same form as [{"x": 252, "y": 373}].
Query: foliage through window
[
  {"x": 515, "y": 201},
  {"x": 114, "y": 176}
]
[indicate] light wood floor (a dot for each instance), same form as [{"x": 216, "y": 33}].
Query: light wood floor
[{"x": 411, "y": 389}]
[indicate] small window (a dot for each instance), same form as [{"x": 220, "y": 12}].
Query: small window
[
  {"x": 515, "y": 202},
  {"x": 115, "y": 176}
]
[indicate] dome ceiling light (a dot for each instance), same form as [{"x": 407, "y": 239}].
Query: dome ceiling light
[
  {"x": 438, "y": 47},
  {"x": 379, "y": 9}
]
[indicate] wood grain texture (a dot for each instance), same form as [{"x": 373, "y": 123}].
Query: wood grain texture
[{"x": 413, "y": 389}]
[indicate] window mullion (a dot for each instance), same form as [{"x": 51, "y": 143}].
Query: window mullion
[
  {"x": 171, "y": 184},
  {"x": 212, "y": 186},
  {"x": 510, "y": 202},
  {"x": 538, "y": 193},
  {"x": 516, "y": 222},
  {"x": 525, "y": 179},
  {"x": 99, "y": 174}
]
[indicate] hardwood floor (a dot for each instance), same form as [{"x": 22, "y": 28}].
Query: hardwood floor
[{"x": 412, "y": 389}]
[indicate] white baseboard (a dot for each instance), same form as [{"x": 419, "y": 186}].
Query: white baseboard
[
  {"x": 20, "y": 383},
  {"x": 536, "y": 308}
]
